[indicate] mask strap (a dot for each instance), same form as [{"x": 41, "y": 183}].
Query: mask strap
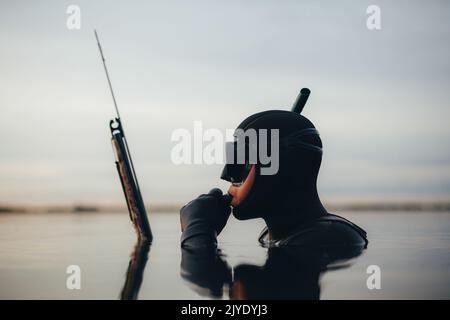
[{"x": 294, "y": 140}]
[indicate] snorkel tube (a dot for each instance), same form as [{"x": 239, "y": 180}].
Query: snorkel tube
[{"x": 300, "y": 102}]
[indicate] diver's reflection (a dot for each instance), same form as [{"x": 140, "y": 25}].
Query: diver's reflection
[
  {"x": 135, "y": 271},
  {"x": 288, "y": 273}
]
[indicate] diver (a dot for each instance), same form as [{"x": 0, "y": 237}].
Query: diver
[{"x": 288, "y": 201}]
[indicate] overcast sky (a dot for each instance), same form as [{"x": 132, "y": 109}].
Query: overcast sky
[{"x": 380, "y": 99}]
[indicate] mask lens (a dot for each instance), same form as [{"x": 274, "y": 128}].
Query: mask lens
[
  {"x": 240, "y": 174},
  {"x": 234, "y": 171}
]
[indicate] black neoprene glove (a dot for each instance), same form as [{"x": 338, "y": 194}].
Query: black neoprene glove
[{"x": 203, "y": 218}]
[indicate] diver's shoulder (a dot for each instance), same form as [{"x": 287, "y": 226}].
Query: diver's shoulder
[
  {"x": 336, "y": 230},
  {"x": 328, "y": 230}
]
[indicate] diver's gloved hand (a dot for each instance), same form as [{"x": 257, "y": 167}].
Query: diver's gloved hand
[{"x": 205, "y": 217}]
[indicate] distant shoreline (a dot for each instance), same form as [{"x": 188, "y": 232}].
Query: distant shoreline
[{"x": 391, "y": 206}]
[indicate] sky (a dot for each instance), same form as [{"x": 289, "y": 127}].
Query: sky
[{"x": 380, "y": 98}]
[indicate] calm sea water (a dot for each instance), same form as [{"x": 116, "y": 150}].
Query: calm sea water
[{"x": 411, "y": 249}]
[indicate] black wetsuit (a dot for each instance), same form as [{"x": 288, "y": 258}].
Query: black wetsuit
[
  {"x": 293, "y": 266},
  {"x": 329, "y": 230},
  {"x": 204, "y": 218}
]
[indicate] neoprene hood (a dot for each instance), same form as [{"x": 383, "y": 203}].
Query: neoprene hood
[{"x": 300, "y": 155}]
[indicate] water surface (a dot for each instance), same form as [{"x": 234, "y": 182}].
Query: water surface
[{"x": 412, "y": 250}]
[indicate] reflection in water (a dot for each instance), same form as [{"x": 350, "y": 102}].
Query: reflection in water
[
  {"x": 288, "y": 273},
  {"x": 135, "y": 271}
]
